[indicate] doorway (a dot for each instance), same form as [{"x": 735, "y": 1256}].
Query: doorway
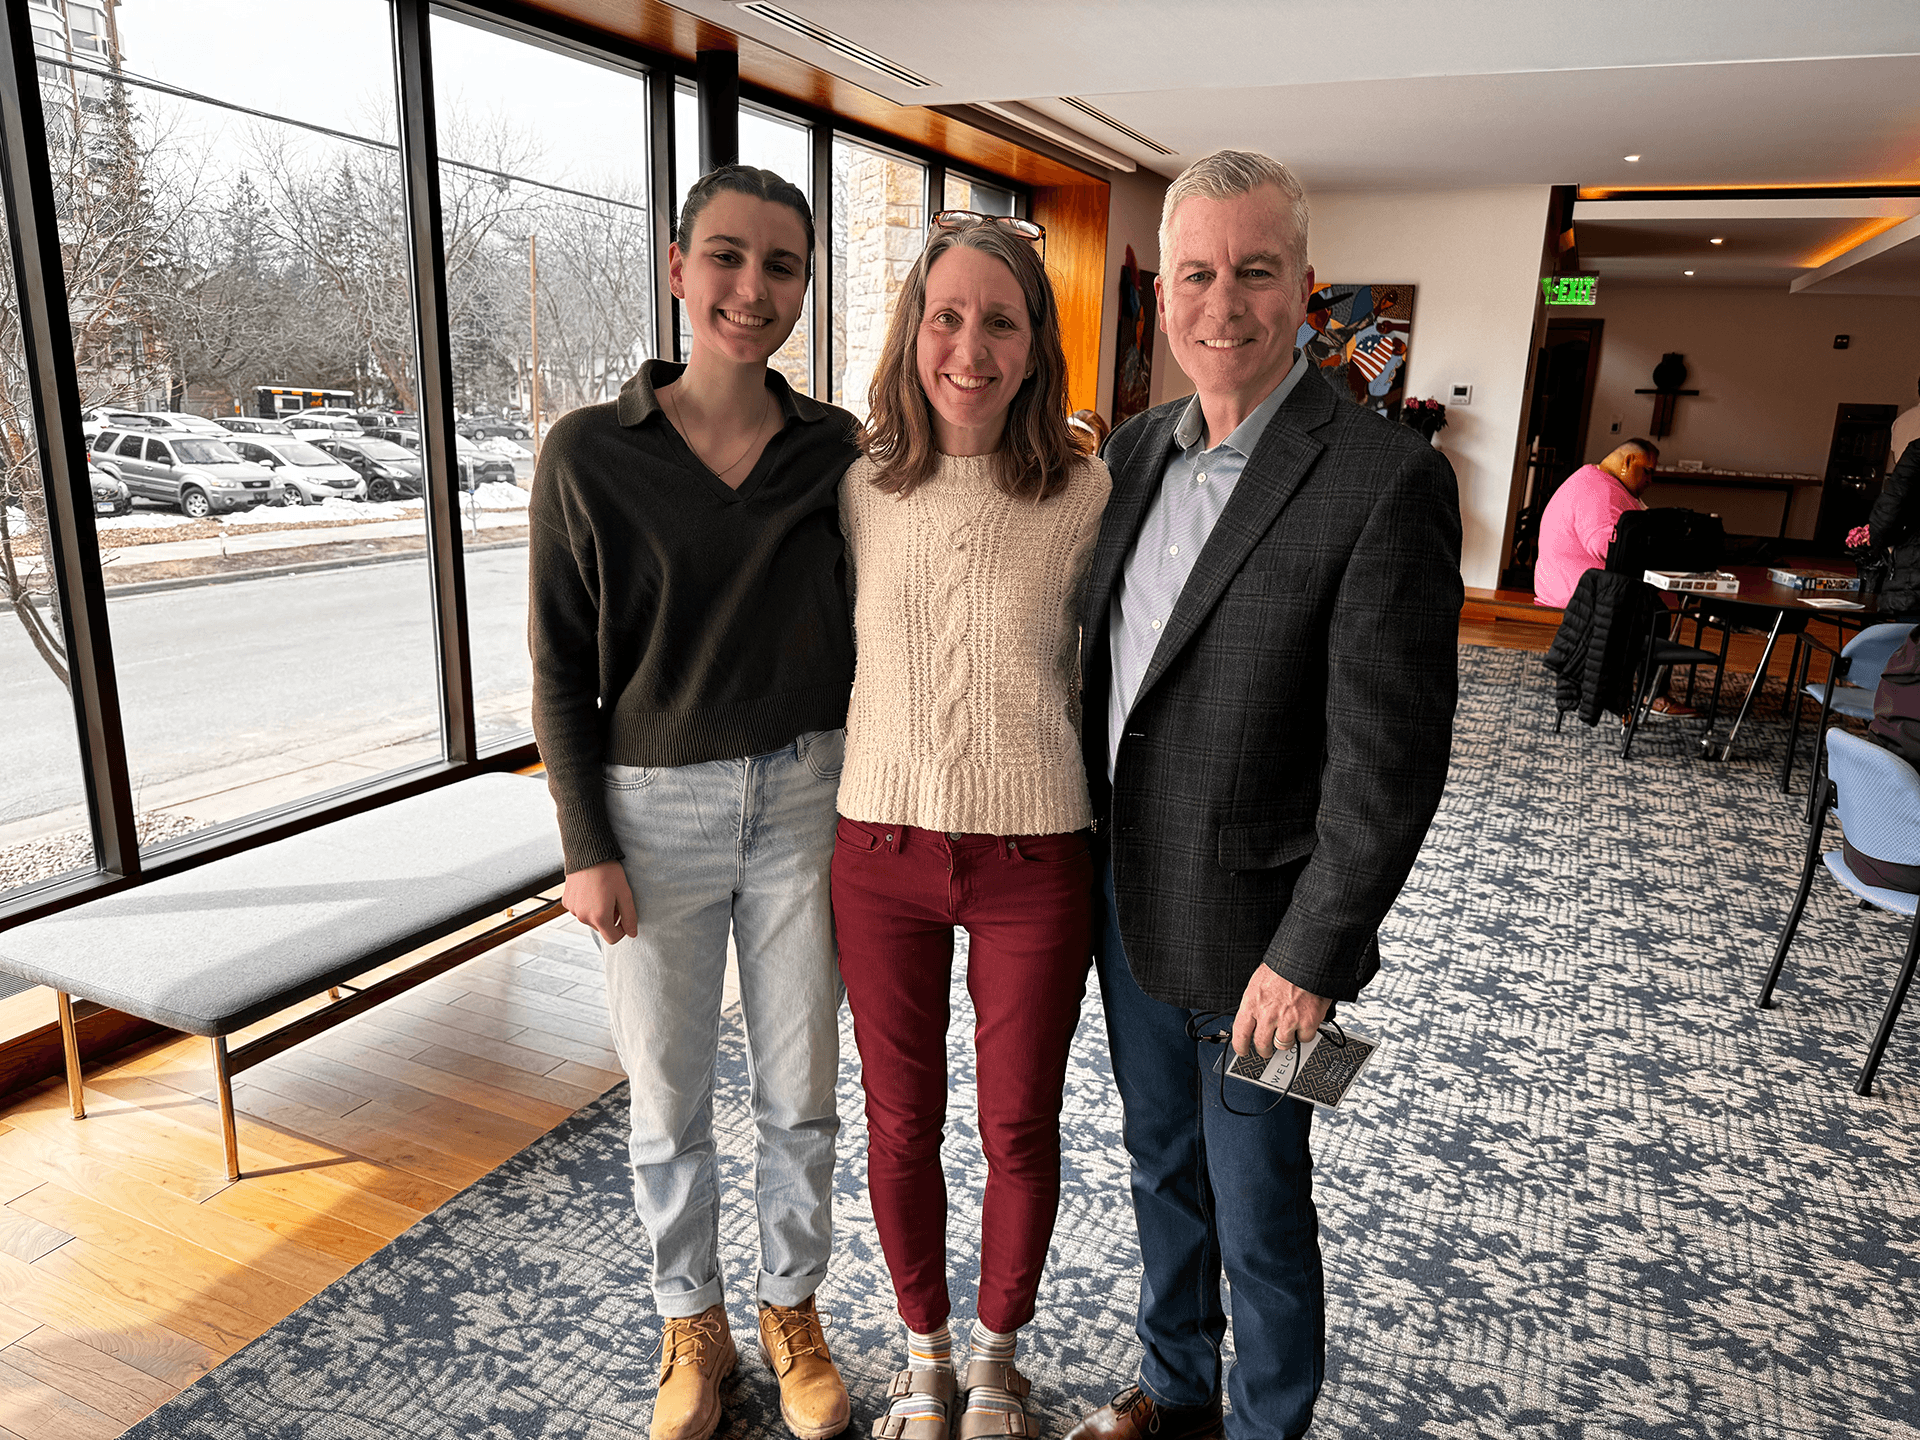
[{"x": 1557, "y": 420}]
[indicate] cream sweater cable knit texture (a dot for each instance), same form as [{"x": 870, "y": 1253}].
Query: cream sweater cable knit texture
[{"x": 966, "y": 703}]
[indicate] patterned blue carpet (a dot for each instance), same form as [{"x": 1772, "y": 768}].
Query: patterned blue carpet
[{"x": 1590, "y": 1191}]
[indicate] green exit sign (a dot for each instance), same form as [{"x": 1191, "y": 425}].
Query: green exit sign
[{"x": 1571, "y": 289}]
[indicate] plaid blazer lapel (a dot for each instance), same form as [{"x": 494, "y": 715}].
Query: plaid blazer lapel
[
  {"x": 1136, "y": 479},
  {"x": 1275, "y": 470}
]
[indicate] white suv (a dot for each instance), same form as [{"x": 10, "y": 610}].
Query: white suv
[{"x": 195, "y": 474}]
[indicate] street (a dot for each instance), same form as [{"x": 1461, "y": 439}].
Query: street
[{"x": 255, "y": 692}]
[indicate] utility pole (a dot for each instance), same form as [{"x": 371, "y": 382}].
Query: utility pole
[{"x": 533, "y": 307}]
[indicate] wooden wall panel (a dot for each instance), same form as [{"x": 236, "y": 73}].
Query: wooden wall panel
[{"x": 1076, "y": 221}]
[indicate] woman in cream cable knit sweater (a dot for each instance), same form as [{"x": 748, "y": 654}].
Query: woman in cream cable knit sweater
[{"x": 970, "y": 525}]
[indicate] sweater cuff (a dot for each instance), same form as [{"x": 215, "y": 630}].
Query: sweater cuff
[{"x": 586, "y": 835}]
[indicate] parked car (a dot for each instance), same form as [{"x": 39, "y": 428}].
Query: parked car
[
  {"x": 391, "y": 472},
  {"x": 196, "y": 475},
  {"x": 325, "y": 421},
  {"x": 254, "y": 425},
  {"x": 191, "y": 423},
  {"x": 486, "y": 427},
  {"x": 305, "y": 473},
  {"x": 92, "y": 422},
  {"x": 477, "y": 466},
  {"x": 110, "y": 493}
]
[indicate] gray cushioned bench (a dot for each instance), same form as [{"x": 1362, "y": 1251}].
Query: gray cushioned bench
[{"x": 217, "y": 948}]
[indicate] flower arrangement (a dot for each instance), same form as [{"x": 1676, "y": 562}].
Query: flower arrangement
[
  {"x": 1429, "y": 417},
  {"x": 1872, "y": 564}
]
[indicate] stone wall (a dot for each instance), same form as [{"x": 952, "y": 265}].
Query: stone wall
[{"x": 883, "y": 200}]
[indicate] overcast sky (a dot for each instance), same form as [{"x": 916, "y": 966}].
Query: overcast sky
[{"x": 332, "y": 65}]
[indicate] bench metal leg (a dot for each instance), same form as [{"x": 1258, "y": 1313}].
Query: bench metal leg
[
  {"x": 70, "y": 1040},
  {"x": 223, "y": 1082}
]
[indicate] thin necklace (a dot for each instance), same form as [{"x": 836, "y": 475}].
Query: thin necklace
[{"x": 673, "y": 404}]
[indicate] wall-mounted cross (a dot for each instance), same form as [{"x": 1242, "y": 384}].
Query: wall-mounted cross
[{"x": 1668, "y": 376}]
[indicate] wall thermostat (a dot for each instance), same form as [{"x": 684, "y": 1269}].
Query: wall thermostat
[{"x": 1460, "y": 395}]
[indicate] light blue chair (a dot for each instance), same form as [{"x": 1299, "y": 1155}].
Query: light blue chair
[
  {"x": 1878, "y": 794},
  {"x": 1848, "y": 690}
]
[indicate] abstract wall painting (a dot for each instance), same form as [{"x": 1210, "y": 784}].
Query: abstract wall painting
[
  {"x": 1359, "y": 335},
  {"x": 1133, "y": 347}
]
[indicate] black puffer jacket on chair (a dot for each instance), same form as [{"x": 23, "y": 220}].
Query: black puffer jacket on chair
[{"x": 1601, "y": 639}]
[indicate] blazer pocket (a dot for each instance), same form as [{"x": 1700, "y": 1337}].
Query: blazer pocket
[{"x": 1263, "y": 845}]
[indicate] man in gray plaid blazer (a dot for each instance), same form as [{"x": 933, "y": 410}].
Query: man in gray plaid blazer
[{"x": 1269, "y": 661}]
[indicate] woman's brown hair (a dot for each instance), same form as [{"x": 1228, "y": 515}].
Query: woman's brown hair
[{"x": 1037, "y": 452}]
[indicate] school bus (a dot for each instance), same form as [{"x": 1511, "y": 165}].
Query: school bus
[{"x": 273, "y": 401}]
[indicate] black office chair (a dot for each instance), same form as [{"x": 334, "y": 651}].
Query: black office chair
[
  {"x": 1671, "y": 539},
  {"x": 1663, "y": 655}
]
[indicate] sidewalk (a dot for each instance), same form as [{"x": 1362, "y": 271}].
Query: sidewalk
[{"x": 239, "y": 540}]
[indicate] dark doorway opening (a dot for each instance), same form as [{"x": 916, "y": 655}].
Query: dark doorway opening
[
  {"x": 1862, "y": 435},
  {"x": 1557, "y": 420}
]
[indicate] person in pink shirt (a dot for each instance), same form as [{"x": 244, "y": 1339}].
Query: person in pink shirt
[{"x": 1578, "y": 524}]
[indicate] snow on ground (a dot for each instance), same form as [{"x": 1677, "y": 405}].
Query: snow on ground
[
  {"x": 494, "y": 496},
  {"x": 328, "y": 511},
  {"x": 143, "y": 520},
  {"x": 498, "y": 495}
]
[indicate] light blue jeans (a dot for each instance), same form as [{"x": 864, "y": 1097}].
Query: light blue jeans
[{"x": 746, "y": 844}]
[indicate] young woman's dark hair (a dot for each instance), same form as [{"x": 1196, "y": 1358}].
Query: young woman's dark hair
[
  {"x": 744, "y": 180},
  {"x": 1038, "y": 450}
]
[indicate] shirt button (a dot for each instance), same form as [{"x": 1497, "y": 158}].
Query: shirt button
[
  {"x": 1173, "y": 549},
  {"x": 1156, "y": 624},
  {"x": 1201, "y": 478}
]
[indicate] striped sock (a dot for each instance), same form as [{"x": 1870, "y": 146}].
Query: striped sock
[
  {"x": 932, "y": 1351},
  {"x": 985, "y": 1344}
]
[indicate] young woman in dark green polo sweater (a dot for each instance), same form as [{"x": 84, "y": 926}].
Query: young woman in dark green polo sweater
[{"x": 692, "y": 658}]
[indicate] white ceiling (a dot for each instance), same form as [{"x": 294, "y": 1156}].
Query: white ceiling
[
  {"x": 1425, "y": 92},
  {"x": 1446, "y": 94},
  {"x": 1763, "y": 242}
]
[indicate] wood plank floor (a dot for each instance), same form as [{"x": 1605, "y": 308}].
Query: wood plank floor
[{"x": 130, "y": 1265}]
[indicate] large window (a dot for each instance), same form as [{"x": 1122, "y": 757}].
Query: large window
[
  {"x": 238, "y": 248},
  {"x": 879, "y": 230},
  {"x": 231, "y": 229},
  {"x": 45, "y": 831},
  {"x": 966, "y": 193},
  {"x": 543, "y": 193}
]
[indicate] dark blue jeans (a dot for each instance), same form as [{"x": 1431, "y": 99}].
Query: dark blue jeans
[{"x": 1211, "y": 1191}]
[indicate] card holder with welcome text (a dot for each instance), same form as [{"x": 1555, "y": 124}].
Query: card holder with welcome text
[{"x": 1326, "y": 1074}]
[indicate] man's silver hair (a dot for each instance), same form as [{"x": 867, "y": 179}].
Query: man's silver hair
[{"x": 1227, "y": 173}]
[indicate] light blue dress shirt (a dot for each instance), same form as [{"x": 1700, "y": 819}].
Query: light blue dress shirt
[{"x": 1194, "y": 489}]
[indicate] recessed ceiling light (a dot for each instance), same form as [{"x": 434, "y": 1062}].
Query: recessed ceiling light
[
  {"x": 1686, "y": 272},
  {"x": 1632, "y": 159},
  {"x": 1717, "y": 240}
]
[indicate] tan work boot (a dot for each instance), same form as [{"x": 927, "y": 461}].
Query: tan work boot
[
  {"x": 813, "y": 1398},
  {"x": 696, "y": 1354}
]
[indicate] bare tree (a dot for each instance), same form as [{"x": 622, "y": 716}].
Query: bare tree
[
  {"x": 596, "y": 294},
  {"x": 121, "y": 192}
]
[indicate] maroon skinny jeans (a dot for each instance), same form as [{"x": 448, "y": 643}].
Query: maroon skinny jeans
[{"x": 898, "y": 891}]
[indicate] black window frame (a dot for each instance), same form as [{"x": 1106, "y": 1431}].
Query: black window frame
[{"x": 73, "y": 548}]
